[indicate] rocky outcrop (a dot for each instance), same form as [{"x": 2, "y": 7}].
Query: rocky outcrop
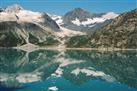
[{"x": 120, "y": 33}]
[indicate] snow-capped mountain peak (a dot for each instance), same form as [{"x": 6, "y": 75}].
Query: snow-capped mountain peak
[
  {"x": 21, "y": 15},
  {"x": 17, "y": 14},
  {"x": 26, "y": 15},
  {"x": 81, "y": 20},
  {"x": 76, "y": 22},
  {"x": 78, "y": 13},
  {"x": 13, "y": 8}
]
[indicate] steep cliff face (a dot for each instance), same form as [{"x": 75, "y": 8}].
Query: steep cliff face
[{"x": 120, "y": 33}]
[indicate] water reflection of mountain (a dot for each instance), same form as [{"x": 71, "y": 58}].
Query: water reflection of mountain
[
  {"x": 120, "y": 65},
  {"x": 17, "y": 66},
  {"x": 78, "y": 67}
]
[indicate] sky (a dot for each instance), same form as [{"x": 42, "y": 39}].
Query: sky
[{"x": 60, "y": 7}]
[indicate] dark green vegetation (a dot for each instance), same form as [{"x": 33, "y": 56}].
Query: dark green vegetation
[
  {"x": 78, "y": 41},
  {"x": 10, "y": 39},
  {"x": 120, "y": 33},
  {"x": 32, "y": 63},
  {"x": 14, "y": 34},
  {"x": 8, "y": 35},
  {"x": 49, "y": 41}
]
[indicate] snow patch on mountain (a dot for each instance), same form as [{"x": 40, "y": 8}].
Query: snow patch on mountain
[
  {"x": 110, "y": 15},
  {"x": 26, "y": 15},
  {"x": 64, "y": 31},
  {"x": 22, "y": 15},
  {"x": 57, "y": 18},
  {"x": 76, "y": 22},
  {"x": 103, "y": 18},
  {"x": 92, "y": 21},
  {"x": 4, "y": 16}
]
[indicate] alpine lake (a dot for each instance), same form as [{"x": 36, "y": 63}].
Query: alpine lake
[{"x": 69, "y": 70}]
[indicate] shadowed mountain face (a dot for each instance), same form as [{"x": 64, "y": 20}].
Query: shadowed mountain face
[
  {"x": 81, "y": 20},
  {"x": 9, "y": 36},
  {"x": 76, "y": 67},
  {"x": 78, "y": 13},
  {"x": 14, "y": 34}
]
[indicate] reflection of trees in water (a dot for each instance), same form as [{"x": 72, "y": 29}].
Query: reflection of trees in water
[
  {"x": 16, "y": 62},
  {"x": 3, "y": 88},
  {"x": 9, "y": 59},
  {"x": 120, "y": 65}
]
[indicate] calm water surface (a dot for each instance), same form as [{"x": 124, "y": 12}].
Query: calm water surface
[{"x": 71, "y": 70}]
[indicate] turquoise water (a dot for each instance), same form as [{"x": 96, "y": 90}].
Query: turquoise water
[{"x": 70, "y": 70}]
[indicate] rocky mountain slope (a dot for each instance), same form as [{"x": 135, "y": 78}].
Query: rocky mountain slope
[
  {"x": 82, "y": 20},
  {"x": 19, "y": 26},
  {"x": 120, "y": 33}
]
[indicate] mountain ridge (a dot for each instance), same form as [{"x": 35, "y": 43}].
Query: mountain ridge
[
  {"x": 120, "y": 33},
  {"x": 81, "y": 20},
  {"x": 110, "y": 30}
]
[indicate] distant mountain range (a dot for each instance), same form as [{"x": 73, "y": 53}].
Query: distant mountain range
[
  {"x": 81, "y": 20},
  {"x": 77, "y": 28}
]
